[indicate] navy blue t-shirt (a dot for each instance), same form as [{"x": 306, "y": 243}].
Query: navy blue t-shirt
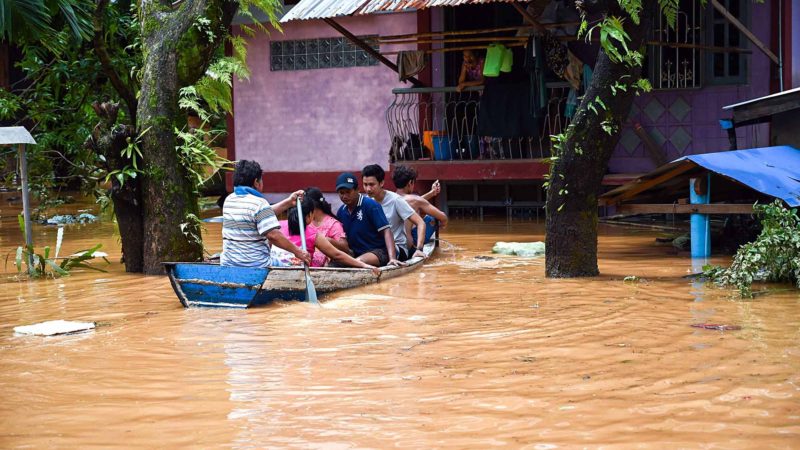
[{"x": 364, "y": 226}]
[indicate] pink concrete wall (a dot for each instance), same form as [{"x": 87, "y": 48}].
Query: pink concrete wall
[{"x": 321, "y": 119}]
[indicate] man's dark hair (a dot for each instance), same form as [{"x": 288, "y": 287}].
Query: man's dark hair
[
  {"x": 291, "y": 215},
  {"x": 315, "y": 194},
  {"x": 373, "y": 170},
  {"x": 246, "y": 173},
  {"x": 403, "y": 175}
]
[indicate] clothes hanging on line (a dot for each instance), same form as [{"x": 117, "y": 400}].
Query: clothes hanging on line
[
  {"x": 573, "y": 97},
  {"x": 505, "y": 111},
  {"x": 410, "y": 63}
]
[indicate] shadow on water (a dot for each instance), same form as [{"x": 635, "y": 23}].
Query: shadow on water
[{"x": 473, "y": 350}]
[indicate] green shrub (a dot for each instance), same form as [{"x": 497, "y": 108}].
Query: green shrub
[{"x": 773, "y": 257}]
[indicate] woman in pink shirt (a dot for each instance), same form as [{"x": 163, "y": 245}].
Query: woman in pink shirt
[
  {"x": 315, "y": 242},
  {"x": 324, "y": 223}
]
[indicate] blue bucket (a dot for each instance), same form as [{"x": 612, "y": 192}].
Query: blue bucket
[{"x": 441, "y": 148}]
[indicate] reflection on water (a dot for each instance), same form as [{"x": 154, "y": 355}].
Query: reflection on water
[{"x": 472, "y": 351}]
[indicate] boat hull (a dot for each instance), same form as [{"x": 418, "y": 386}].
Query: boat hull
[{"x": 212, "y": 285}]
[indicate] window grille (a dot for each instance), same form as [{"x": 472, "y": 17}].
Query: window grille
[
  {"x": 676, "y": 66},
  {"x": 324, "y": 53}
]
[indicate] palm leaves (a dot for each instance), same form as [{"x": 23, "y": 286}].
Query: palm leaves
[{"x": 42, "y": 20}]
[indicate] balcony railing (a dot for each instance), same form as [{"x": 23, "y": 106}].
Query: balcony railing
[{"x": 442, "y": 124}]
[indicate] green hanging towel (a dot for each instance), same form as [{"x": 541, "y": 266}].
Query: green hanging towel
[
  {"x": 495, "y": 57},
  {"x": 508, "y": 60}
]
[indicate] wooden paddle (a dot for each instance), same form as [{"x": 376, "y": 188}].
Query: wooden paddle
[{"x": 311, "y": 291}]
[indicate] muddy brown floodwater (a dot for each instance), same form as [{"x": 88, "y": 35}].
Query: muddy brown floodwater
[{"x": 467, "y": 352}]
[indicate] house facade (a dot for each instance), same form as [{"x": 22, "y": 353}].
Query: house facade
[{"x": 317, "y": 104}]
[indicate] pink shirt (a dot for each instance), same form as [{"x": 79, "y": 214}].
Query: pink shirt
[
  {"x": 331, "y": 229},
  {"x": 288, "y": 258}
]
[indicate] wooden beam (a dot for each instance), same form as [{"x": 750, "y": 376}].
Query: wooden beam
[
  {"x": 363, "y": 45},
  {"x": 667, "y": 208},
  {"x": 647, "y": 184},
  {"x": 752, "y": 37},
  {"x": 538, "y": 27}
]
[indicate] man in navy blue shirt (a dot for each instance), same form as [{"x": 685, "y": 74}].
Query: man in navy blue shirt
[{"x": 368, "y": 232}]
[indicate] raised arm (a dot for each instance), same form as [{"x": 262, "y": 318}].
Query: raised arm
[
  {"x": 288, "y": 202},
  {"x": 435, "y": 189}
]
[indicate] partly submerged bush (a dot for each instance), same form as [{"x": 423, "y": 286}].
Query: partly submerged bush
[
  {"x": 773, "y": 257},
  {"x": 42, "y": 265}
]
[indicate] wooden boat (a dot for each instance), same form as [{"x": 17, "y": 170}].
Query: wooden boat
[{"x": 209, "y": 284}]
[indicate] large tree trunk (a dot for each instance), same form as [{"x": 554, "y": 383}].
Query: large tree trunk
[
  {"x": 582, "y": 159},
  {"x": 168, "y": 194},
  {"x": 109, "y": 139}
]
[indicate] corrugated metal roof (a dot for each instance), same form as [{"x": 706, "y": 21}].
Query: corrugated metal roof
[
  {"x": 325, "y": 9},
  {"x": 774, "y": 171},
  {"x": 15, "y": 135}
]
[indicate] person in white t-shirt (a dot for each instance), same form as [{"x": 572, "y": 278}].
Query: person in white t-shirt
[{"x": 397, "y": 212}]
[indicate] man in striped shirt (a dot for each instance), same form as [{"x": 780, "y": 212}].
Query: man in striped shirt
[{"x": 250, "y": 226}]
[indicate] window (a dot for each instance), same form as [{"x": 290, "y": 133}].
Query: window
[
  {"x": 727, "y": 68},
  {"x": 676, "y": 65},
  {"x": 306, "y": 54}
]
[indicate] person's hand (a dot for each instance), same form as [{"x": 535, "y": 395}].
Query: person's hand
[
  {"x": 436, "y": 187},
  {"x": 395, "y": 262},
  {"x": 419, "y": 253},
  {"x": 376, "y": 271},
  {"x": 459, "y": 88},
  {"x": 297, "y": 195},
  {"x": 303, "y": 256}
]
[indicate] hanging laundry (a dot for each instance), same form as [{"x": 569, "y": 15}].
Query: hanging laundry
[
  {"x": 556, "y": 54},
  {"x": 410, "y": 63},
  {"x": 504, "y": 111},
  {"x": 573, "y": 71}
]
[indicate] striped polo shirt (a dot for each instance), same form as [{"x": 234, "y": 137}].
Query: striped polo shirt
[{"x": 245, "y": 220}]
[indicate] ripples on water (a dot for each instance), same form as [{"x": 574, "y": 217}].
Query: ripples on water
[{"x": 465, "y": 353}]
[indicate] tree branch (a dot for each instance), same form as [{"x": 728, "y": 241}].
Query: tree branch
[{"x": 100, "y": 49}]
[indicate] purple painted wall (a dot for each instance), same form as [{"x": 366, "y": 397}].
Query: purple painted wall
[
  {"x": 321, "y": 119},
  {"x": 670, "y": 116}
]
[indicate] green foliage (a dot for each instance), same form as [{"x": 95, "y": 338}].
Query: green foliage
[
  {"x": 39, "y": 265},
  {"x": 197, "y": 156},
  {"x": 61, "y": 80},
  {"x": 773, "y": 257}
]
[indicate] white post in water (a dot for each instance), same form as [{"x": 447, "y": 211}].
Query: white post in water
[
  {"x": 26, "y": 201},
  {"x": 20, "y": 136}
]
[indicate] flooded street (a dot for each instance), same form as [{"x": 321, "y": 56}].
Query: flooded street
[{"x": 465, "y": 353}]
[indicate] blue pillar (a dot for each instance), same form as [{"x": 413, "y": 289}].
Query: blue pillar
[{"x": 699, "y": 193}]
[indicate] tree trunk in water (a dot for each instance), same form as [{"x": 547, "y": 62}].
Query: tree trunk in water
[
  {"x": 168, "y": 194},
  {"x": 577, "y": 173},
  {"x": 109, "y": 139}
]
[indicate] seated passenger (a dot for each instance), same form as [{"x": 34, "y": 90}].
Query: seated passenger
[
  {"x": 397, "y": 212},
  {"x": 368, "y": 232},
  {"x": 324, "y": 222},
  {"x": 315, "y": 243},
  {"x": 249, "y": 225},
  {"x": 405, "y": 179}
]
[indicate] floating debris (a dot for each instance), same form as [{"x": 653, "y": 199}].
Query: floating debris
[
  {"x": 716, "y": 326},
  {"x": 69, "y": 219},
  {"x": 54, "y": 327},
  {"x": 527, "y": 249}
]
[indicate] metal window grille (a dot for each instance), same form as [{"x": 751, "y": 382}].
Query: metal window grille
[
  {"x": 674, "y": 67},
  {"x": 323, "y": 53}
]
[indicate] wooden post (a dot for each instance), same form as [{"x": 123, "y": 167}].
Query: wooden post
[
  {"x": 739, "y": 26},
  {"x": 363, "y": 46}
]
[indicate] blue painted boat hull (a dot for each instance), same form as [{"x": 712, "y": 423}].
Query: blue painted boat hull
[{"x": 206, "y": 284}]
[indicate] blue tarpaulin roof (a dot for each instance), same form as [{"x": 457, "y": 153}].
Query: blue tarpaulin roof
[{"x": 773, "y": 171}]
